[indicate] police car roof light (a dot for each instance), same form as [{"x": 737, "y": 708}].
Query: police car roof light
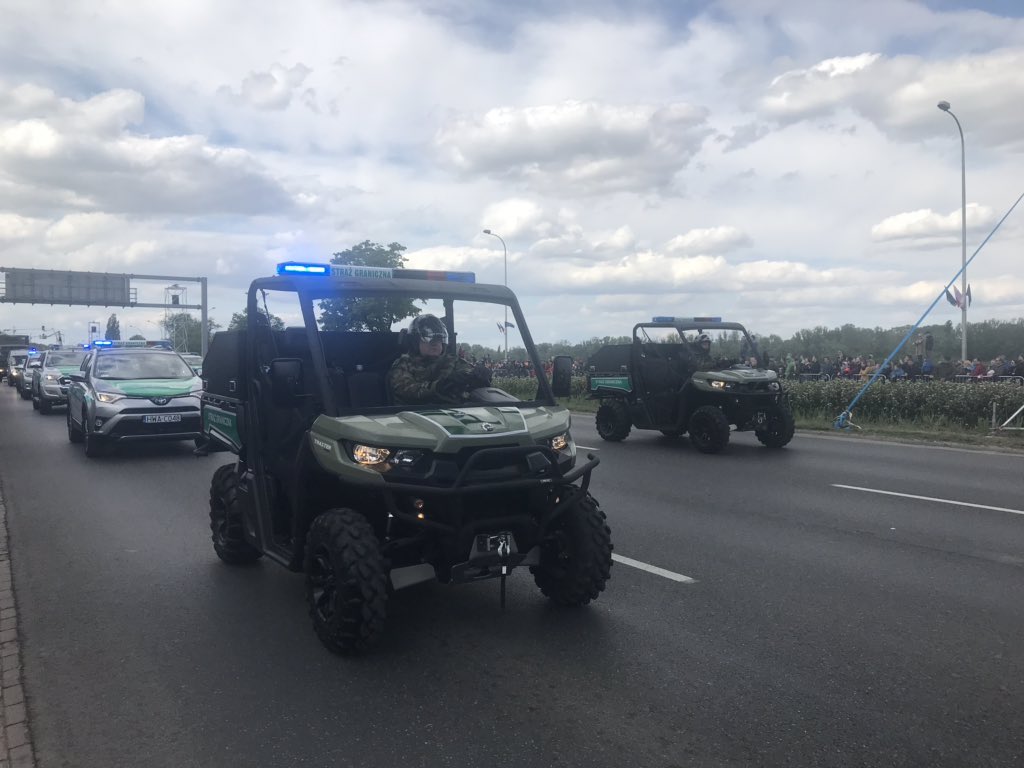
[{"x": 103, "y": 343}]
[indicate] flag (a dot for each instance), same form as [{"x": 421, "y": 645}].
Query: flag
[
  {"x": 950, "y": 299},
  {"x": 500, "y": 329},
  {"x": 959, "y": 297},
  {"x": 510, "y": 325},
  {"x": 968, "y": 294}
]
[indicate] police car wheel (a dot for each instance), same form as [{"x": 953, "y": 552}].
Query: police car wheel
[
  {"x": 95, "y": 445},
  {"x": 45, "y": 406},
  {"x": 74, "y": 433},
  {"x": 612, "y": 421}
]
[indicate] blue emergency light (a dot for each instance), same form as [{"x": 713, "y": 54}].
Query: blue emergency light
[
  {"x": 103, "y": 343},
  {"x": 673, "y": 319},
  {"x": 373, "y": 273}
]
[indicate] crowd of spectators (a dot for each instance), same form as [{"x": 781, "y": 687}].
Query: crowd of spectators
[{"x": 907, "y": 368}]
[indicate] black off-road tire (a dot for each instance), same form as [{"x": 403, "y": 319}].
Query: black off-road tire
[
  {"x": 779, "y": 429},
  {"x": 612, "y": 420},
  {"x": 74, "y": 433},
  {"x": 35, "y": 401},
  {"x": 26, "y": 394},
  {"x": 346, "y": 581},
  {"x": 45, "y": 406},
  {"x": 709, "y": 429},
  {"x": 576, "y": 559},
  {"x": 226, "y": 520}
]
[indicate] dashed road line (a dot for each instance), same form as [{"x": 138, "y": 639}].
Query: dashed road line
[
  {"x": 930, "y": 498},
  {"x": 653, "y": 569}
]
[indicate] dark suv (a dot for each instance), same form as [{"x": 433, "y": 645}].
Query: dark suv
[
  {"x": 364, "y": 496},
  {"x": 663, "y": 380}
]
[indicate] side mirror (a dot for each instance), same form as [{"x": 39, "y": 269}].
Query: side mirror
[
  {"x": 286, "y": 379},
  {"x": 561, "y": 376}
]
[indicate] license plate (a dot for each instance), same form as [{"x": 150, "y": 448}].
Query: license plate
[{"x": 161, "y": 418}]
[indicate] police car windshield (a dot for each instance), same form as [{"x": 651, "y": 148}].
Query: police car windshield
[
  {"x": 141, "y": 365},
  {"x": 71, "y": 357}
]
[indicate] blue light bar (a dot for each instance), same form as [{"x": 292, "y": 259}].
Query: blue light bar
[
  {"x": 673, "y": 319},
  {"x": 301, "y": 268},
  {"x": 103, "y": 343}
]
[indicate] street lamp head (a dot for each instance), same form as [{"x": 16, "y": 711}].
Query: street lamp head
[
  {"x": 943, "y": 105},
  {"x": 488, "y": 232}
]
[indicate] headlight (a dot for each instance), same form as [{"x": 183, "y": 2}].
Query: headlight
[
  {"x": 774, "y": 386},
  {"x": 196, "y": 392},
  {"x": 559, "y": 442},
  {"x": 720, "y": 385},
  {"x": 52, "y": 377},
  {"x": 108, "y": 397},
  {"x": 368, "y": 455}
]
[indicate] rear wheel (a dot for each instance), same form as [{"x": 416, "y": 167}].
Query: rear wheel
[
  {"x": 226, "y": 519},
  {"x": 612, "y": 420},
  {"x": 778, "y": 429},
  {"x": 346, "y": 581},
  {"x": 74, "y": 433},
  {"x": 576, "y": 558},
  {"x": 709, "y": 429}
]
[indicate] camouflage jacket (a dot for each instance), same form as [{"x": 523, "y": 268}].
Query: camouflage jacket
[{"x": 418, "y": 380}]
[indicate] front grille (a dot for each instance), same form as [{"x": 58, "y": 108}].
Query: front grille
[
  {"x": 151, "y": 408},
  {"x": 136, "y": 427}
]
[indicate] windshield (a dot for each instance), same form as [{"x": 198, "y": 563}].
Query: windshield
[
  {"x": 141, "y": 365},
  {"x": 481, "y": 355},
  {"x": 18, "y": 359},
  {"x": 71, "y": 357}
]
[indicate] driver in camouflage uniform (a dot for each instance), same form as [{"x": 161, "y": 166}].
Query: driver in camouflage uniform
[{"x": 427, "y": 376}]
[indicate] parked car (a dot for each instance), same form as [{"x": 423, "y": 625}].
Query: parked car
[
  {"x": 131, "y": 394},
  {"x": 195, "y": 362}
]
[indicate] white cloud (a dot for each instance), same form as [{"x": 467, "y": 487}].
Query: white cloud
[
  {"x": 925, "y": 223},
  {"x": 582, "y": 147},
  {"x": 708, "y": 240},
  {"x": 272, "y": 90}
]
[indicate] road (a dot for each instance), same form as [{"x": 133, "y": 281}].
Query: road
[{"x": 801, "y": 618}]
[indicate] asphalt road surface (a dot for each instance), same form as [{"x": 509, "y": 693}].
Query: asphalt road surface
[{"x": 835, "y": 603}]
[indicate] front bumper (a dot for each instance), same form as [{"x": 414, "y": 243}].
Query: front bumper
[{"x": 141, "y": 420}]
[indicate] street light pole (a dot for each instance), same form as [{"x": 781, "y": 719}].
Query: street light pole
[
  {"x": 504, "y": 328},
  {"x": 944, "y": 106}
]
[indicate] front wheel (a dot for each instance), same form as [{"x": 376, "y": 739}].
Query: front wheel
[
  {"x": 778, "y": 429},
  {"x": 74, "y": 433},
  {"x": 226, "y": 519},
  {"x": 612, "y": 420},
  {"x": 346, "y": 581},
  {"x": 576, "y": 557},
  {"x": 26, "y": 394},
  {"x": 709, "y": 429},
  {"x": 45, "y": 406}
]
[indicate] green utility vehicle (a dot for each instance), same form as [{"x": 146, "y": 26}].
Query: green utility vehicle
[
  {"x": 366, "y": 497},
  {"x": 664, "y": 380}
]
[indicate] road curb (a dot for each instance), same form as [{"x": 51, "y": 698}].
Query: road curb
[{"x": 16, "y": 749}]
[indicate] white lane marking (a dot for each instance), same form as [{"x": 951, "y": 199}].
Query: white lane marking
[
  {"x": 587, "y": 447},
  {"x": 929, "y": 498},
  {"x": 653, "y": 569}
]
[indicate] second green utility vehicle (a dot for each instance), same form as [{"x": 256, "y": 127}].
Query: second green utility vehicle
[{"x": 670, "y": 379}]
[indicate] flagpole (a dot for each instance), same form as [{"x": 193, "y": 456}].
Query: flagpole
[
  {"x": 504, "y": 328},
  {"x": 944, "y": 106}
]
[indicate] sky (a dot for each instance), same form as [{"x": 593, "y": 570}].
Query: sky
[{"x": 781, "y": 163}]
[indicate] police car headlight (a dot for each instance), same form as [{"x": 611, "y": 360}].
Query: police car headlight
[
  {"x": 369, "y": 455},
  {"x": 52, "y": 377},
  {"x": 719, "y": 384},
  {"x": 108, "y": 397}
]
